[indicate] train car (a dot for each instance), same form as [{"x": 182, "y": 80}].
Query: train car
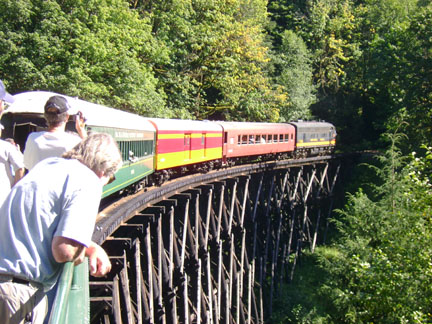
[
  {"x": 314, "y": 138},
  {"x": 252, "y": 140},
  {"x": 185, "y": 145},
  {"x": 134, "y": 134}
]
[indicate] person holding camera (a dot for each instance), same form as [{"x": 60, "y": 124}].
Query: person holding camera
[{"x": 55, "y": 141}]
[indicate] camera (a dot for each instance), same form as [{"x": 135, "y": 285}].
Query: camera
[{"x": 79, "y": 116}]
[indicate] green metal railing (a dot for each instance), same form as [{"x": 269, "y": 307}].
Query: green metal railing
[{"x": 72, "y": 300}]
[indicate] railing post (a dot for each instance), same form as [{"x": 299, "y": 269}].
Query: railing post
[{"x": 72, "y": 300}]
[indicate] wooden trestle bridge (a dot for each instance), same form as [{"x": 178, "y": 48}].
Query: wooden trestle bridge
[{"x": 211, "y": 248}]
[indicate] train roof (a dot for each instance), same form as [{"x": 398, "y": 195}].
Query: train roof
[
  {"x": 33, "y": 102},
  {"x": 312, "y": 124},
  {"x": 255, "y": 126},
  {"x": 162, "y": 124}
]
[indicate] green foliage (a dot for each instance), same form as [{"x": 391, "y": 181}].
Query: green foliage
[
  {"x": 363, "y": 65},
  {"x": 217, "y": 58},
  {"x": 382, "y": 271},
  {"x": 371, "y": 64},
  {"x": 298, "y": 302},
  {"x": 93, "y": 49},
  {"x": 294, "y": 65}
]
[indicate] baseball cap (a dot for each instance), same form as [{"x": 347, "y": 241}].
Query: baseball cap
[
  {"x": 4, "y": 95},
  {"x": 57, "y": 105}
]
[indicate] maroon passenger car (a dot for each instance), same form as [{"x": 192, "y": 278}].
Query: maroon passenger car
[{"x": 243, "y": 139}]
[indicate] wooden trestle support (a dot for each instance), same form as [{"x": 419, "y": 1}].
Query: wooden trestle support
[{"x": 214, "y": 249}]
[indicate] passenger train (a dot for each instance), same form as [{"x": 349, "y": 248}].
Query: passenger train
[{"x": 155, "y": 150}]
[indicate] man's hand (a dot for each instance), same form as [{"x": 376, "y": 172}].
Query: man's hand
[
  {"x": 80, "y": 125},
  {"x": 99, "y": 261}
]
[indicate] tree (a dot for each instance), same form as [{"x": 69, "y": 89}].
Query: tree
[
  {"x": 294, "y": 63},
  {"x": 93, "y": 49},
  {"x": 217, "y": 58},
  {"x": 381, "y": 272}
]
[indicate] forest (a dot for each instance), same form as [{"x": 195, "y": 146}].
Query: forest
[{"x": 363, "y": 65}]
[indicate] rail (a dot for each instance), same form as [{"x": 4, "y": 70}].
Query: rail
[{"x": 72, "y": 300}]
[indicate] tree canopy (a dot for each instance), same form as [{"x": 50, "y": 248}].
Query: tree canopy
[{"x": 362, "y": 65}]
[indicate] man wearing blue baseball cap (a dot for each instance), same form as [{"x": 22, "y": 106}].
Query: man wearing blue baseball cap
[{"x": 5, "y": 97}]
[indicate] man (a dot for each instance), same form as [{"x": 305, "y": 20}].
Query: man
[
  {"x": 11, "y": 159},
  {"x": 55, "y": 141},
  {"x": 11, "y": 167},
  {"x": 47, "y": 219}
]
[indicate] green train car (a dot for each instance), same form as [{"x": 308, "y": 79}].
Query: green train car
[{"x": 134, "y": 134}]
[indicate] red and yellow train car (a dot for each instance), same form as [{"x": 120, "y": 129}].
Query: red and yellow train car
[
  {"x": 182, "y": 143},
  {"x": 243, "y": 139}
]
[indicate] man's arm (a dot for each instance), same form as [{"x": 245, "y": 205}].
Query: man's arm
[
  {"x": 64, "y": 250},
  {"x": 80, "y": 126},
  {"x": 18, "y": 175}
]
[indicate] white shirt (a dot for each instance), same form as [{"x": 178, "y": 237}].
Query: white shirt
[
  {"x": 11, "y": 159},
  {"x": 41, "y": 145}
]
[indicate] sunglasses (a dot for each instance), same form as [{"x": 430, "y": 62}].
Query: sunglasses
[
  {"x": 111, "y": 179},
  {"x": 53, "y": 108}
]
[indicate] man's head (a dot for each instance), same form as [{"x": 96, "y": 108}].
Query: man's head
[
  {"x": 56, "y": 111},
  {"x": 100, "y": 153}
]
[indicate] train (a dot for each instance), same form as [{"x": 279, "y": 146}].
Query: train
[{"x": 155, "y": 150}]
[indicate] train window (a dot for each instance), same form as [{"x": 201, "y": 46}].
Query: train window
[
  {"x": 238, "y": 141},
  {"x": 257, "y": 139},
  {"x": 292, "y": 137},
  {"x": 187, "y": 138},
  {"x": 281, "y": 138},
  {"x": 136, "y": 149},
  {"x": 275, "y": 137},
  {"x": 269, "y": 138},
  {"x": 225, "y": 137},
  {"x": 286, "y": 137},
  {"x": 149, "y": 147},
  {"x": 244, "y": 139},
  {"x": 251, "y": 139},
  {"x": 263, "y": 139}
]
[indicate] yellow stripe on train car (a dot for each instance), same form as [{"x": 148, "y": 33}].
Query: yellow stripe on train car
[
  {"x": 315, "y": 143},
  {"x": 174, "y": 159},
  {"x": 193, "y": 135}
]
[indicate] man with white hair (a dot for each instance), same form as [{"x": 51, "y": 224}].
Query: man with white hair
[{"x": 48, "y": 219}]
